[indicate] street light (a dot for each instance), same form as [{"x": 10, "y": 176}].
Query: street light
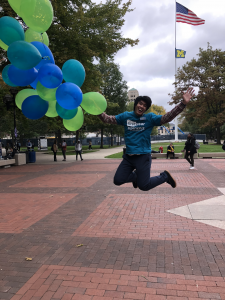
[{"x": 8, "y": 99}]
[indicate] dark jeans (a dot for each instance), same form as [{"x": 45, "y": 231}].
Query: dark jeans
[
  {"x": 168, "y": 152},
  {"x": 89, "y": 147},
  {"x": 64, "y": 154},
  {"x": 55, "y": 159},
  {"x": 79, "y": 152},
  {"x": 191, "y": 159},
  {"x": 142, "y": 164}
]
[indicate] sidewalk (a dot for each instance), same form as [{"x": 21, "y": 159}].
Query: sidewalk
[
  {"x": 42, "y": 158},
  {"x": 91, "y": 240}
]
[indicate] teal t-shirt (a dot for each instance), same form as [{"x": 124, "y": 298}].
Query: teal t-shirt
[{"x": 138, "y": 131}]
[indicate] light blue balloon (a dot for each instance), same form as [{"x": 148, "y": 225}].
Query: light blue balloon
[
  {"x": 34, "y": 107},
  {"x": 46, "y": 54},
  {"x": 69, "y": 95},
  {"x": 50, "y": 76},
  {"x": 22, "y": 77},
  {"x": 66, "y": 114},
  {"x": 23, "y": 55},
  {"x": 73, "y": 71},
  {"x": 5, "y": 76},
  {"x": 10, "y": 30}
]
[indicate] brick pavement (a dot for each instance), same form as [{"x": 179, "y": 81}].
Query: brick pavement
[{"x": 132, "y": 247}]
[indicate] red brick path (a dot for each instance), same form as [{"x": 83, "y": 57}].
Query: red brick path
[{"x": 131, "y": 246}]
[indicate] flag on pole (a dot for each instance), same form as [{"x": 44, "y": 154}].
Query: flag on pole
[
  {"x": 185, "y": 15},
  {"x": 180, "y": 53}
]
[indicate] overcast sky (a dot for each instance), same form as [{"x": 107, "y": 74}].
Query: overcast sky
[{"x": 150, "y": 66}]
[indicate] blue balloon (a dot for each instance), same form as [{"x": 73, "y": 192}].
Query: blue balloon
[
  {"x": 10, "y": 30},
  {"x": 23, "y": 55},
  {"x": 34, "y": 83},
  {"x": 5, "y": 76},
  {"x": 50, "y": 76},
  {"x": 73, "y": 71},
  {"x": 34, "y": 107},
  {"x": 22, "y": 77},
  {"x": 46, "y": 54},
  {"x": 66, "y": 114},
  {"x": 69, "y": 95}
]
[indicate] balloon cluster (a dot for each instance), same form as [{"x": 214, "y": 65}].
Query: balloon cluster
[{"x": 54, "y": 92}]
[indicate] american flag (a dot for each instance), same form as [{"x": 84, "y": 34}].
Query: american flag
[{"x": 185, "y": 15}]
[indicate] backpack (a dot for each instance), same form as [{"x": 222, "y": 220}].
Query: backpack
[
  {"x": 223, "y": 147},
  {"x": 197, "y": 145}
]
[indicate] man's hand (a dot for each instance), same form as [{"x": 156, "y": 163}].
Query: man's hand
[{"x": 188, "y": 95}]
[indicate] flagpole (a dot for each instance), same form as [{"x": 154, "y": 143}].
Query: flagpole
[{"x": 176, "y": 121}]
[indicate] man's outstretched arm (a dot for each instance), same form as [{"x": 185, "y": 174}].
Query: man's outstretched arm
[
  {"x": 168, "y": 117},
  {"x": 107, "y": 119}
]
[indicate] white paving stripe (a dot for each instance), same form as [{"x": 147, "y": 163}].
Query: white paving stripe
[{"x": 210, "y": 212}]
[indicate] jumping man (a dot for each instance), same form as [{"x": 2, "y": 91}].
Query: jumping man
[{"x": 136, "y": 164}]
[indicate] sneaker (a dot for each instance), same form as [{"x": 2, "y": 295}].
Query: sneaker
[
  {"x": 192, "y": 168},
  {"x": 134, "y": 182},
  {"x": 170, "y": 180}
]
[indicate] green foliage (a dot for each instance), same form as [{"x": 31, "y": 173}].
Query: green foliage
[
  {"x": 84, "y": 31},
  {"x": 207, "y": 73}
]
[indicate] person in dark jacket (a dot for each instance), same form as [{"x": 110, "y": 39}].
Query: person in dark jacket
[
  {"x": 170, "y": 150},
  {"x": 190, "y": 150}
]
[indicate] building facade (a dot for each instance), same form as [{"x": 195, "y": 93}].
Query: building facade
[{"x": 132, "y": 94}]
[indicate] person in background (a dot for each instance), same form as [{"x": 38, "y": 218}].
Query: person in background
[
  {"x": 160, "y": 149},
  {"x": 78, "y": 149},
  {"x": 190, "y": 150},
  {"x": 64, "y": 145},
  {"x": 90, "y": 145},
  {"x": 223, "y": 146},
  {"x": 170, "y": 149},
  {"x": 55, "y": 149},
  {"x": 29, "y": 145}
]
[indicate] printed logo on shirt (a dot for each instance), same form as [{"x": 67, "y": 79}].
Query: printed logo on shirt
[{"x": 134, "y": 126}]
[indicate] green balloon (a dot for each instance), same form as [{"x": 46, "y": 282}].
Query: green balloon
[
  {"x": 22, "y": 95},
  {"x": 34, "y": 36},
  {"x": 45, "y": 93},
  {"x": 37, "y": 14},
  {"x": 15, "y": 4},
  {"x": 51, "y": 113},
  {"x": 75, "y": 123},
  {"x": 93, "y": 103},
  {"x": 3, "y": 45}
]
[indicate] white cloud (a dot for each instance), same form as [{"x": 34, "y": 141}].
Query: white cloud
[{"x": 150, "y": 66}]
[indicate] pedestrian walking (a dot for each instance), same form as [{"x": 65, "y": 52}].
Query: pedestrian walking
[
  {"x": 78, "y": 149},
  {"x": 64, "y": 145},
  {"x": 170, "y": 150},
  {"x": 55, "y": 149},
  {"x": 136, "y": 164},
  {"x": 190, "y": 150}
]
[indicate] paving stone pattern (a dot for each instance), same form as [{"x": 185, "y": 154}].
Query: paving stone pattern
[{"x": 89, "y": 239}]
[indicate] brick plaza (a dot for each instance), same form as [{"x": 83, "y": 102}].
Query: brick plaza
[{"x": 91, "y": 240}]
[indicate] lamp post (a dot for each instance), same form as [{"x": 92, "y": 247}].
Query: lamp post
[{"x": 8, "y": 99}]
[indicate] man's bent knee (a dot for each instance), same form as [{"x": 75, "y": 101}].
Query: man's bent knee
[{"x": 116, "y": 181}]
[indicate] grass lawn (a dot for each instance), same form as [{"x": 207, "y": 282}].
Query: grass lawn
[{"x": 178, "y": 147}]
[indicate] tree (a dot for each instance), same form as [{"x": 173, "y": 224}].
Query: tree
[
  {"x": 114, "y": 88},
  {"x": 207, "y": 73},
  {"x": 84, "y": 31}
]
